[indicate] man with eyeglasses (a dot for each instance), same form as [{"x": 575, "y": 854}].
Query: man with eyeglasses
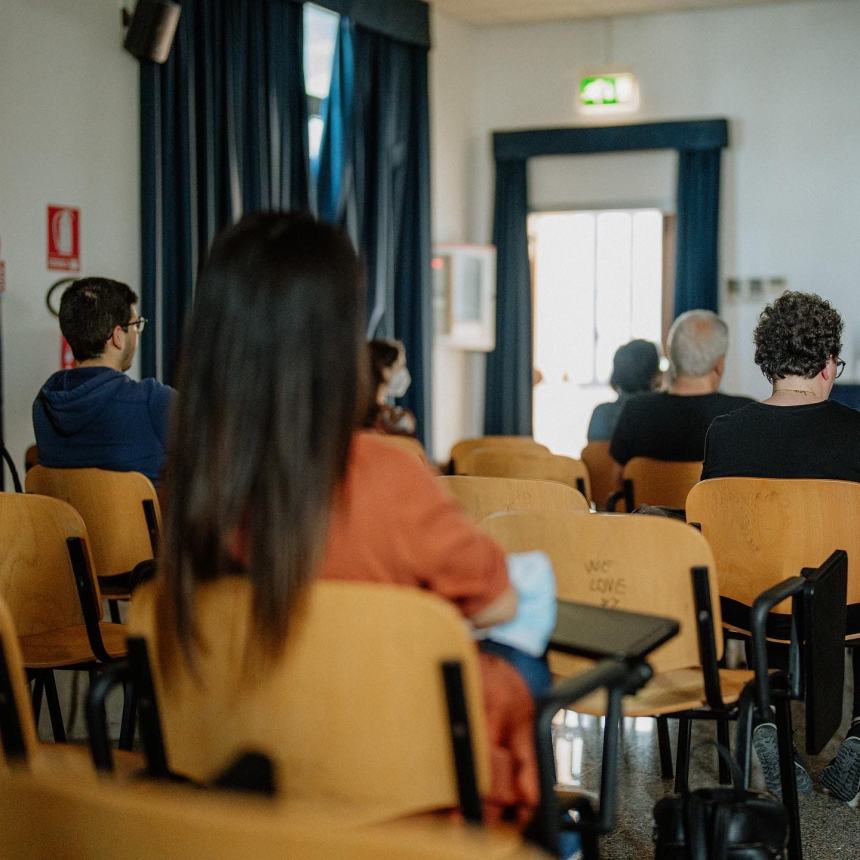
[{"x": 94, "y": 414}]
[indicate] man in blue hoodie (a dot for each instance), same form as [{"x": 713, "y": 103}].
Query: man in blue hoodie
[{"x": 94, "y": 414}]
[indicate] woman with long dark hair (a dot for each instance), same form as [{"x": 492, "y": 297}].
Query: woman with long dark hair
[{"x": 269, "y": 482}]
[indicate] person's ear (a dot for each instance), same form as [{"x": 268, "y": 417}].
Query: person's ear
[
  {"x": 720, "y": 366},
  {"x": 117, "y": 337}
]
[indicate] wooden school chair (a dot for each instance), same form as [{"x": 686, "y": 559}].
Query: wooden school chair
[
  {"x": 122, "y": 516},
  {"x": 662, "y": 483},
  {"x": 763, "y": 530},
  {"x": 480, "y": 497},
  {"x": 662, "y": 566},
  {"x": 47, "y": 582},
  {"x": 502, "y": 463},
  {"x": 465, "y": 447},
  {"x": 406, "y": 443},
  {"x": 53, "y": 817},
  {"x": 641, "y": 564},
  {"x": 19, "y": 744},
  {"x": 346, "y": 716},
  {"x": 601, "y": 472}
]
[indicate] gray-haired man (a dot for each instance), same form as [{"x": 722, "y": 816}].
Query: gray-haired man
[{"x": 671, "y": 425}]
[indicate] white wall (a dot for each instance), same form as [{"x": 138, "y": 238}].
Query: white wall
[
  {"x": 453, "y": 137},
  {"x": 68, "y": 113},
  {"x": 783, "y": 75}
]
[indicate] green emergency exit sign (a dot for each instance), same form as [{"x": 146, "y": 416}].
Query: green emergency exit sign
[{"x": 610, "y": 90}]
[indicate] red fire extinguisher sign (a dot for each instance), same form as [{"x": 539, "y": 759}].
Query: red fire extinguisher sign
[{"x": 64, "y": 238}]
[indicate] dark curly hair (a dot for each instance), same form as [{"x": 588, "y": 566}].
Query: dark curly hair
[{"x": 796, "y": 335}]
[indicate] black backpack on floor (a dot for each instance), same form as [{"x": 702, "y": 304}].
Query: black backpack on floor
[{"x": 720, "y": 823}]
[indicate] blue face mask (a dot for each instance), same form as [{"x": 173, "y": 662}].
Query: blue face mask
[{"x": 399, "y": 384}]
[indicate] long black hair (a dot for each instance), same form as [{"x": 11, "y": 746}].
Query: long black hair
[{"x": 270, "y": 381}]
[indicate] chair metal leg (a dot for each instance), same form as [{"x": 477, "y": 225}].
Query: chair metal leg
[
  {"x": 38, "y": 691},
  {"x": 129, "y": 715},
  {"x": 743, "y": 735},
  {"x": 682, "y": 765},
  {"x": 723, "y": 740},
  {"x": 113, "y": 609},
  {"x": 56, "y": 714},
  {"x": 665, "y": 744},
  {"x": 785, "y": 740}
]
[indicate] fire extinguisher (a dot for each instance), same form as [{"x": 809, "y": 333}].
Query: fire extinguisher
[{"x": 67, "y": 360}]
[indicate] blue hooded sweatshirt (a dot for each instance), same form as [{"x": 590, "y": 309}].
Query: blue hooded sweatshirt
[{"x": 97, "y": 416}]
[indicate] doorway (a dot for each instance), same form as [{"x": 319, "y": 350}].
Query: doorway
[{"x": 600, "y": 279}]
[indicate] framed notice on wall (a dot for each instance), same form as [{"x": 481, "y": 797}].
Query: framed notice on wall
[{"x": 64, "y": 238}]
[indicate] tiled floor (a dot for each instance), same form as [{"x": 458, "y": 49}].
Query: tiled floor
[{"x": 830, "y": 829}]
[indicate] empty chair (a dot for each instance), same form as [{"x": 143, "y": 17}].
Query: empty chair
[
  {"x": 465, "y": 446},
  {"x": 351, "y": 711},
  {"x": 19, "y": 744},
  {"x": 53, "y": 598},
  {"x": 508, "y": 463},
  {"x": 642, "y": 564},
  {"x": 121, "y": 513},
  {"x": 662, "y": 483},
  {"x": 601, "y": 472},
  {"x": 480, "y": 497}
]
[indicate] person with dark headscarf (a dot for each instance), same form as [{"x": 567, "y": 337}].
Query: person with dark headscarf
[{"x": 635, "y": 369}]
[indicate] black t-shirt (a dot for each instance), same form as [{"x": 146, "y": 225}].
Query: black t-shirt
[
  {"x": 821, "y": 440},
  {"x": 668, "y": 426}
]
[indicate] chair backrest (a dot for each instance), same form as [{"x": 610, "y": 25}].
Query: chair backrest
[
  {"x": 661, "y": 482},
  {"x": 37, "y": 580},
  {"x": 601, "y": 471},
  {"x": 354, "y": 710},
  {"x": 519, "y": 463},
  {"x": 17, "y": 727},
  {"x": 54, "y": 817},
  {"x": 480, "y": 497},
  {"x": 31, "y": 458},
  {"x": 642, "y": 564},
  {"x": 763, "y": 530},
  {"x": 112, "y": 506},
  {"x": 465, "y": 446},
  {"x": 407, "y": 443}
]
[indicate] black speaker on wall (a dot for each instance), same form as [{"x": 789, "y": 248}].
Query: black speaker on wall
[{"x": 152, "y": 28}]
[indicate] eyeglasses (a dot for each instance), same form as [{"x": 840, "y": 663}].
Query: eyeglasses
[
  {"x": 840, "y": 366},
  {"x": 139, "y": 324}
]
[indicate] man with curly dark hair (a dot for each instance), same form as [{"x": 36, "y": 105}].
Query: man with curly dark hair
[{"x": 796, "y": 433}]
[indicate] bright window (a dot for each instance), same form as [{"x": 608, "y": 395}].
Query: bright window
[
  {"x": 598, "y": 283},
  {"x": 320, "y": 39}
]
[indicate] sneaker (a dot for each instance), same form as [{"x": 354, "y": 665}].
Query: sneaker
[
  {"x": 766, "y": 748},
  {"x": 842, "y": 776}
]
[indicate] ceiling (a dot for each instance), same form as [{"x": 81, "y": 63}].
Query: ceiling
[{"x": 521, "y": 11}]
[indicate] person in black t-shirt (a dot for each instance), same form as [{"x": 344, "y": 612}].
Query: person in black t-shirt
[
  {"x": 671, "y": 425},
  {"x": 797, "y": 433}
]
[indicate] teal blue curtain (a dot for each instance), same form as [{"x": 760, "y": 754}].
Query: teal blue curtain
[
  {"x": 334, "y": 174},
  {"x": 508, "y": 399},
  {"x": 697, "y": 262},
  {"x": 374, "y": 181},
  {"x": 223, "y": 132}
]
